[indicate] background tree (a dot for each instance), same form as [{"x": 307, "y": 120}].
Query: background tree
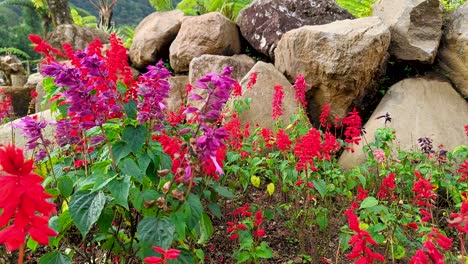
[
  {"x": 105, "y": 12},
  {"x": 59, "y": 12}
]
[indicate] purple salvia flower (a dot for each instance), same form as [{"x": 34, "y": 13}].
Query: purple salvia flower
[
  {"x": 218, "y": 88},
  {"x": 153, "y": 90},
  {"x": 209, "y": 142},
  {"x": 32, "y": 130},
  {"x": 67, "y": 132}
]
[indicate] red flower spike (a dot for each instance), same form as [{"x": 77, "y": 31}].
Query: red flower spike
[
  {"x": 300, "y": 90},
  {"x": 165, "y": 255},
  {"x": 308, "y": 148},
  {"x": 252, "y": 80},
  {"x": 23, "y": 200},
  {"x": 277, "y": 104}
]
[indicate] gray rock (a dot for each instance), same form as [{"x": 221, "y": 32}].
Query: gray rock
[
  {"x": 416, "y": 27},
  {"x": 153, "y": 36},
  {"x": 340, "y": 60},
  {"x": 263, "y": 22},
  {"x": 419, "y": 107},
  {"x": 210, "y": 33}
]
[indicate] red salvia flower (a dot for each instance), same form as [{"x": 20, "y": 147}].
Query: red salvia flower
[
  {"x": 166, "y": 254},
  {"x": 460, "y": 220},
  {"x": 324, "y": 116},
  {"x": 117, "y": 62},
  {"x": 268, "y": 137},
  {"x": 425, "y": 195},
  {"x": 300, "y": 88},
  {"x": 362, "y": 194},
  {"x": 237, "y": 91},
  {"x": 329, "y": 146},
  {"x": 429, "y": 250},
  {"x": 252, "y": 80},
  {"x": 43, "y": 47},
  {"x": 307, "y": 148},
  {"x": 209, "y": 167},
  {"x": 353, "y": 128},
  {"x": 24, "y": 204},
  {"x": 463, "y": 170},
  {"x": 388, "y": 184},
  {"x": 282, "y": 140},
  {"x": 466, "y": 130},
  {"x": 277, "y": 104},
  {"x": 361, "y": 240},
  {"x": 6, "y": 105},
  {"x": 233, "y": 128}
]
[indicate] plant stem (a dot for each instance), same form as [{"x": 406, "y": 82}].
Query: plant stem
[
  {"x": 21, "y": 254},
  {"x": 111, "y": 153}
]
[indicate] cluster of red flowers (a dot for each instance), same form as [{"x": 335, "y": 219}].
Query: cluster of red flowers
[
  {"x": 25, "y": 209},
  {"x": 300, "y": 88},
  {"x": 360, "y": 241},
  {"x": 386, "y": 188},
  {"x": 424, "y": 196},
  {"x": 429, "y": 251},
  {"x": 463, "y": 171},
  {"x": 241, "y": 214},
  {"x": 6, "y": 107},
  {"x": 166, "y": 254},
  {"x": 277, "y": 104},
  {"x": 353, "y": 124},
  {"x": 306, "y": 149}
]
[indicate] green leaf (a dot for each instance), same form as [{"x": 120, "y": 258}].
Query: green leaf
[
  {"x": 130, "y": 109},
  {"x": 263, "y": 251},
  {"x": 32, "y": 244},
  {"x": 55, "y": 257},
  {"x": 321, "y": 186},
  {"x": 196, "y": 209},
  {"x": 399, "y": 251},
  {"x": 243, "y": 257},
  {"x": 152, "y": 231},
  {"x": 322, "y": 221},
  {"x": 369, "y": 202},
  {"x": 120, "y": 150},
  {"x": 65, "y": 185},
  {"x": 101, "y": 182},
  {"x": 206, "y": 229},
  {"x": 215, "y": 209},
  {"x": 129, "y": 167},
  {"x": 85, "y": 208},
  {"x": 105, "y": 220},
  {"x": 223, "y": 191},
  {"x": 120, "y": 189},
  {"x": 135, "y": 137}
]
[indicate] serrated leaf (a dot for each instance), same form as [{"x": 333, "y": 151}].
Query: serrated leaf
[
  {"x": 129, "y": 167},
  {"x": 65, "y": 185},
  {"x": 369, "y": 202},
  {"x": 223, "y": 191},
  {"x": 263, "y": 251},
  {"x": 243, "y": 257},
  {"x": 85, "y": 208},
  {"x": 135, "y": 137},
  {"x": 206, "y": 229},
  {"x": 55, "y": 257},
  {"x": 120, "y": 188},
  {"x": 321, "y": 186},
  {"x": 120, "y": 150},
  {"x": 152, "y": 231}
]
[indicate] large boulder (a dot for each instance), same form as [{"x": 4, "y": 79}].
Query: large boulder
[
  {"x": 210, "y": 33},
  {"x": 204, "y": 64},
  {"x": 416, "y": 27},
  {"x": 418, "y": 107},
  {"x": 340, "y": 60},
  {"x": 453, "y": 53},
  {"x": 153, "y": 37},
  {"x": 78, "y": 37},
  {"x": 263, "y": 22},
  {"x": 13, "y": 70},
  {"x": 262, "y": 94}
]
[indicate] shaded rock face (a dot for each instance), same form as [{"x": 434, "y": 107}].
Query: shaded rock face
[
  {"x": 416, "y": 27},
  {"x": 204, "y": 64},
  {"x": 453, "y": 53},
  {"x": 153, "y": 37},
  {"x": 419, "y": 107},
  {"x": 263, "y": 22},
  {"x": 177, "y": 93},
  {"x": 210, "y": 33},
  {"x": 340, "y": 61},
  {"x": 20, "y": 99},
  {"x": 77, "y": 37},
  {"x": 13, "y": 70},
  {"x": 262, "y": 93}
]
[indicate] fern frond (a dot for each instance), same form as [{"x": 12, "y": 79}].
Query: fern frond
[{"x": 14, "y": 51}]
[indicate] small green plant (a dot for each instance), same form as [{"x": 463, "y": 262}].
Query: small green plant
[{"x": 358, "y": 8}]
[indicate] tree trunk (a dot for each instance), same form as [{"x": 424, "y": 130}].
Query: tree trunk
[{"x": 60, "y": 12}]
